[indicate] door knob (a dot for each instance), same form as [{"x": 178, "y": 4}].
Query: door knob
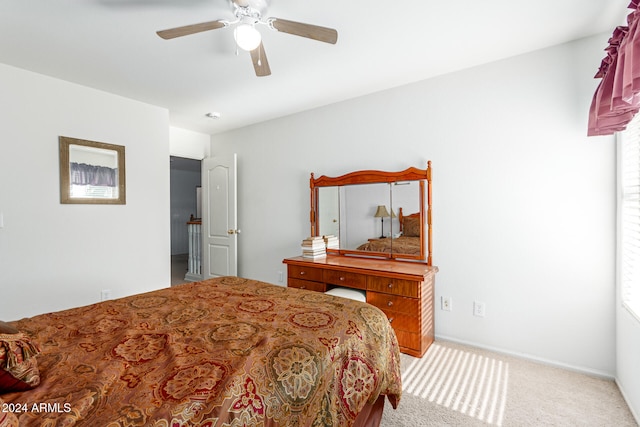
[{"x": 233, "y": 231}]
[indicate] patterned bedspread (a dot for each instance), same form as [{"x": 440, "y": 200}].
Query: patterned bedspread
[
  {"x": 401, "y": 245},
  {"x": 222, "y": 352}
]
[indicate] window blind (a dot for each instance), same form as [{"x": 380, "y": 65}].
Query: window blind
[{"x": 629, "y": 216}]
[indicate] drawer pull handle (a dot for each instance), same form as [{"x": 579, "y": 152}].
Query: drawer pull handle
[
  {"x": 302, "y": 273},
  {"x": 303, "y": 287},
  {"x": 390, "y": 285},
  {"x": 390, "y": 319},
  {"x": 342, "y": 278},
  {"x": 389, "y": 303}
]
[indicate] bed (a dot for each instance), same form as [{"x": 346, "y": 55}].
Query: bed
[
  {"x": 222, "y": 352},
  {"x": 408, "y": 242}
]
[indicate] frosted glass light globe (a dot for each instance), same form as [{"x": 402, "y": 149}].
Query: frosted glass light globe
[{"x": 247, "y": 37}]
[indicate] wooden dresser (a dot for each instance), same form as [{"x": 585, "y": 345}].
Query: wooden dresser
[{"x": 404, "y": 291}]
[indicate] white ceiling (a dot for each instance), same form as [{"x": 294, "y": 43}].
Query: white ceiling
[{"x": 111, "y": 45}]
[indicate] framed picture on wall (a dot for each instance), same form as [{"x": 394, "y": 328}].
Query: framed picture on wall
[{"x": 91, "y": 172}]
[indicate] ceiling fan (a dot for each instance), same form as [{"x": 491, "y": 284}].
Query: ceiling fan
[{"x": 248, "y": 14}]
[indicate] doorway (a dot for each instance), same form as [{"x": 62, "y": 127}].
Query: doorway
[{"x": 185, "y": 178}]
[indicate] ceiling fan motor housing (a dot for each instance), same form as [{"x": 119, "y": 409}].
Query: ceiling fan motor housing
[{"x": 260, "y": 6}]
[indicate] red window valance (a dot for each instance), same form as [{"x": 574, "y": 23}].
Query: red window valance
[{"x": 617, "y": 98}]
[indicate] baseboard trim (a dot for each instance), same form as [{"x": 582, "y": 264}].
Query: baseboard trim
[
  {"x": 624, "y": 396},
  {"x": 190, "y": 277},
  {"x": 592, "y": 372}
]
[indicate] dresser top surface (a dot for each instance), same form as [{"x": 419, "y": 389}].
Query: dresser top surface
[{"x": 372, "y": 264}]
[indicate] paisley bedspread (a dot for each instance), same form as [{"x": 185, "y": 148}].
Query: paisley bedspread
[
  {"x": 222, "y": 352},
  {"x": 400, "y": 245}
]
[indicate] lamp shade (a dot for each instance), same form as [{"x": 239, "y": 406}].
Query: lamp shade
[
  {"x": 247, "y": 37},
  {"x": 382, "y": 212}
]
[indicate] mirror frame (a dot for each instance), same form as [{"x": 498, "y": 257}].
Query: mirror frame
[
  {"x": 65, "y": 179},
  {"x": 373, "y": 177}
]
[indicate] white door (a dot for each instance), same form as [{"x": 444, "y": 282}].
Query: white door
[{"x": 219, "y": 217}]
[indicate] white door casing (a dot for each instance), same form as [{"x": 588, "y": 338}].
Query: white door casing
[{"x": 219, "y": 217}]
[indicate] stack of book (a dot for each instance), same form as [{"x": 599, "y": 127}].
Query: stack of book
[
  {"x": 314, "y": 247},
  {"x": 331, "y": 241}
]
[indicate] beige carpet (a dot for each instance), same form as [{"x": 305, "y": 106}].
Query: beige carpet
[
  {"x": 178, "y": 268},
  {"x": 456, "y": 385}
]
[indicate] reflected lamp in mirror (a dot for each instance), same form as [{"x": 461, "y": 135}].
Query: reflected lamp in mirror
[
  {"x": 383, "y": 213},
  {"x": 91, "y": 172}
]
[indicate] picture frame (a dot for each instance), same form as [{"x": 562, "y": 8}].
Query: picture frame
[{"x": 91, "y": 172}]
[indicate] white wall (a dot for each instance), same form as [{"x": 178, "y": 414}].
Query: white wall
[
  {"x": 524, "y": 214},
  {"x": 55, "y": 256},
  {"x": 189, "y": 144}
]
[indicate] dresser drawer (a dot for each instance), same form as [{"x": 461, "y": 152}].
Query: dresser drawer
[
  {"x": 402, "y": 290},
  {"x": 306, "y": 273},
  {"x": 395, "y": 303},
  {"x": 306, "y": 284},
  {"x": 409, "y": 340},
  {"x": 407, "y": 288},
  {"x": 403, "y": 322},
  {"x": 349, "y": 280}
]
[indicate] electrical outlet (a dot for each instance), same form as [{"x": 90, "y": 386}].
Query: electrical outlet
[
  {"x": 478, "y": 309},
  {"x": 445, "y": 303},
  {"x": 105, "y": 294},
  {"x": 280, "y": 278}
]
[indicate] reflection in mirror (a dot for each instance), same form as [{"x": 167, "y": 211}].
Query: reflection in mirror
[
  {"x": 358, "y": 223},
  {"x": 329, "y": 206},
  {"x": 352, "y": 212},
  {"x": 91, "y": 172},
  {"x": 374, "y": 213},
  {"x": 407, "y": 229}
]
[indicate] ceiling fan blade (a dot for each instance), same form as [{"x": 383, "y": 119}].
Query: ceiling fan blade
[
  {"x": 260, "y": 63},
  {"x": 315, "y": 32},
  {"x": 190, "y": 29}
]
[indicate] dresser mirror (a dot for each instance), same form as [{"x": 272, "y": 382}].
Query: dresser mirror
[{"x": 374, "y": 213}]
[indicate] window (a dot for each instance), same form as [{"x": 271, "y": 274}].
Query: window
[{"x": 629, "y": 216}]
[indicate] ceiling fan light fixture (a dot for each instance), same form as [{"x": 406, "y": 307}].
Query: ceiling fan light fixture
[{"x": 247, "y": 37}]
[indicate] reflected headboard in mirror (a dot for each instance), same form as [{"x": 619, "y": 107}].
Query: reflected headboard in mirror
[{"x": 375, "y": 213}]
